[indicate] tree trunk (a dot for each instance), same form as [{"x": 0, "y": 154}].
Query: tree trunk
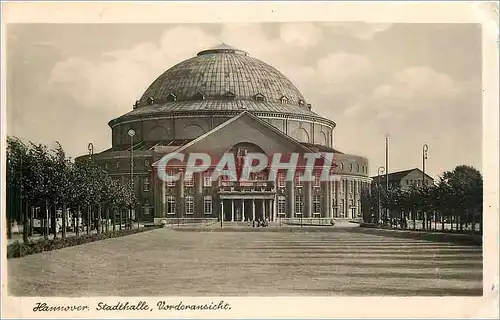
[
  {"x": 64, "y": 220},
  {"x": 54, "y": 221},
  {"x": 107, "y": 218},
  {"x": 77, "y": 221},
  {"x": 46, "y": 221},
  {"x": 9, "y": 228},
  {"x": 414, "y": 217},
  {"x": 88, "y": 220},
  {"x": 25, "y": 222},
  {"x": 424, "y": 221},
  {"x": 113, "y": 218},
  {"x": 473, "y": 222},
  {"x": 31, "y": 221},
  {"x": 121, "y": 218},
  {"x": 98, "y": 220}
]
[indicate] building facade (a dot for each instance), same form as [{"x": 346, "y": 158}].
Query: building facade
[
  {"x": 220, "y": 101},
  {"x": 404, "y": 179}
]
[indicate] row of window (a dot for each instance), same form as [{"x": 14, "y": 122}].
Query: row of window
[
  {"x": 415, "y": 182},
  {"x": 117, "y": 164},
  {"x": 172, "y": 97},
  {"x": 363, "y": 169},
  {"x": 188, "y": 205},
  {"x": 299, "y": 205}
]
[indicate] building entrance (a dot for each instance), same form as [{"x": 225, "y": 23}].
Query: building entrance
[{"x": 240, "y": 210}]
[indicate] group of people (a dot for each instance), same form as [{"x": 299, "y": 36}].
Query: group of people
[{"x": 260, "y": 223}]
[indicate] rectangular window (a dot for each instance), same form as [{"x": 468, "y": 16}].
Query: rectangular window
[
  {"x": 350, "y": 186},
  {"x": 298, "y": 204},
  {"x": 317, "y": 175},
  {"x": 207, "y": 205},
  {"x": 298, "y": 179},
  {"x": 146, "y": 183},
  {"x": 281, "y": 205},
  {"x": 342, "y": 208},
  {"x": 207, "y": 178},
  {"x": 317, "y": 204},
  {"x": 189, "y": 205},
  {"x": 147, "y": 210},
  {"x": 170, "y": 205},
  {"x": 342, "y": 190},
  {"x": 170, "y": 178},
  {"x": 188, "y": 180},
  {"x": 281, "y": 179}
]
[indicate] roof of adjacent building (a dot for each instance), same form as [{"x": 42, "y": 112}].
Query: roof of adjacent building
[
  {"x": 221, "y": 78},
  {"x": 398, "y": 175}
]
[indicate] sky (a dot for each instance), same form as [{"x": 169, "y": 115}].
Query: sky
[{"x": 416, "y": 83}]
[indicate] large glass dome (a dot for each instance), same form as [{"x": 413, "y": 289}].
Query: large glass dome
[{"x": 219, "y": 75}]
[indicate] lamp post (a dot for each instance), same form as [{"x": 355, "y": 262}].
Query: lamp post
[
  {"x": 425, "y": 148},
  {"x": 131, "y": 134},
  {"x": 387, "y": 169},
  {"x": 380, "y": 171},
  {"x": 90, "y": 147}
]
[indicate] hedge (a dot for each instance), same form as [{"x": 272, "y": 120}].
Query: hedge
[{"x": 21, "y": 249}]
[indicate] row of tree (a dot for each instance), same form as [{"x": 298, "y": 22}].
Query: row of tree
[
  {"x": 40, "y": 177},
  {"x": 456, "y": 199}
]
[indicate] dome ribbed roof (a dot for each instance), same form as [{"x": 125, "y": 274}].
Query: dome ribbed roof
[{"x": 223, "y": 73}]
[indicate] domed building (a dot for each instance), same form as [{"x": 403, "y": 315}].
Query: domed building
[{"x": 223, "y": 100}]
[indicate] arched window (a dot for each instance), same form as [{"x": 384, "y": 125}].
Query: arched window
[
  {"x": 357, "y": 167},
  {"x": 151, "y": 100},
  {"x": 301, "y": 135},
  {"x": 284, "y": 99}
]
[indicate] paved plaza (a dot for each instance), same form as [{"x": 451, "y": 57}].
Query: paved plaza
[{"x": 336, "y": 262}]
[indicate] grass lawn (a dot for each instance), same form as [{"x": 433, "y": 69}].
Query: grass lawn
[{"x": 165, "y": 262}]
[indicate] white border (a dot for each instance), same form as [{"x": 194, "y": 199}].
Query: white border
[{"x": 297, "y": 307}]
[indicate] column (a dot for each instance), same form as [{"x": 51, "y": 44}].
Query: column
[
  {"x": 232, "y": 210},
  {"x": 325, "y": 190},
  {"x": 271, "y": 213},
  {"x": 253, "y": 209},
  {"x": 242, "y": 210},
  {"x": 290, "y": 190},
  {"x": 308, "y": 199},
  {"x": 198, "y": 194},
  {"x": 330, "y": 199},
  {"x": 263, "y": 209},
  {"x": 221, "y": 209},
  {"x": 275, "y": 207}
]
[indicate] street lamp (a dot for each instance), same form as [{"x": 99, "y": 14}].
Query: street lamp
[
  {"x": 90, "y": 147},
  {"x": 91, "y": 151},
  {"x": 380, "y": 171},
  {"x": 425, "y": 148},
  {"x": 131, "y": 134}
]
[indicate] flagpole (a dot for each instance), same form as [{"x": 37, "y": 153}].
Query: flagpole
[{"x": 387, "y": 169}]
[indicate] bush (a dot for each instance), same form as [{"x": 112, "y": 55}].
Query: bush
[{"x": 20, "y": 249}]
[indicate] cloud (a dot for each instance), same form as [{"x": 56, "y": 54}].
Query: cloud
[
  {"x": 418, "y": 83},
  {"x": 119, "y": 77},
  {"x": 359, "y": 30},
  {"x": 304, "y": 35}
]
